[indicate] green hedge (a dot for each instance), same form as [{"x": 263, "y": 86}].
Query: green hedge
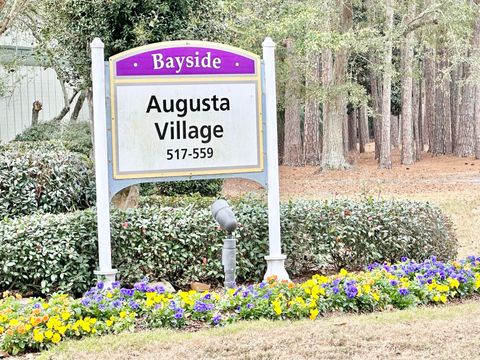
[
  {"x": 75, "y": 137},
  {"x": 43, "y": 177},
  {"x": 211, "y": 187},
  {"x": 44, "y": 253}
]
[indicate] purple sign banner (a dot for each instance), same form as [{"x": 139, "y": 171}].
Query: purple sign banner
[{"x": 184, "y": 58}]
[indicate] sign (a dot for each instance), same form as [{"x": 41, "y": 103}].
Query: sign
[{"x": 185, "y": 108}]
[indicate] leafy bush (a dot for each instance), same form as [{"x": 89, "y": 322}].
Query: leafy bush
[
  {"x": 43, "y": 253},
  {"x": 44, "y": 177},
  {"x": 75, "y": 137},
  {"x": 42, "y": 131},
  {"x": 211, "y": 187}
]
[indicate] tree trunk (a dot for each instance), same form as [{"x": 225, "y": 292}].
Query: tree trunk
[
  {"x": 292, "y": 146},
  {"x": 394, "y": 128},
  {"x": 36, "y": 107},
  {"x": 455, "y": 75},
  {"x": 332, "y": 154},
  {"x": 421, "y": 115},
  {"x": 416, "y": 118},
  {"x": 465, "y": 127},
  {"x": 362, "y": 128},
  {"x": 345, "y": 134},
  {"x": 429, "y": 74},
  {"x": 446, "y": 108},
  {"x": 385, "y": 151},
  {"x": 78, "y": 106},
  {"x": 311, "y": 139},
  {"x": 442, "y": 126},
  {"x": 352, "y": 130},
  {"x": 67, "y": 102},
  {"x": 376, "y": 106},
  {"x": 335, "y": 109},
  {"x": 407, "y": 84},
  {"x": 127, "y": 198},
  {"x": 476, "y": 55},
  {"x": 90, "y": 118}
]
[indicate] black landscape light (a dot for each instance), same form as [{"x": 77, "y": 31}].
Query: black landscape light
[{"x": 223, "y": 214}]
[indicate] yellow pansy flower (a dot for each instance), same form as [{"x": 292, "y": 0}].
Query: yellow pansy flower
[
  {"x": 123, "y": 314},
  {"x": 38, "y": 336},
  {"x": 65, "y": 315},
  {"x": 13, "y": 322},
  {"x": 300, "y": 301},
  {"x": 366, "y": 288},
  {"x": 343, "y": 272},
  {"x": 454, "y": 283},
  {"x": 56, "y": 338},
  {"x": 477, "y": 284},
  {"x": 277, "y": 307},
  {"x": 2, "y": 329},
  {"x": 442, "y": 288},
  {"x": 375, "y": 296},
  {"x": 48, "y": 334},
  {"x": 313, "y": 314},
  {"x": 109, "y": 323},
  {"x": 318, "y": 290}
]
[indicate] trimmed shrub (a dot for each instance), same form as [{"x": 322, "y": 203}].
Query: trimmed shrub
[
  {"x": 43, "y": 253},
  {"x": 181, "y": 244},
  {"x": 44, "y": 177},
  {"x": 43, "y": 131},
  {"x": 75, "y": 137},
  {"x": 211, "y": 187}
]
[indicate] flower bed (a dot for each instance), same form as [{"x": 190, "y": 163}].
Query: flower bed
[{"x": 41, "y": 323}]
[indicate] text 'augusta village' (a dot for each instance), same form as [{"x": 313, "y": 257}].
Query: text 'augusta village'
[{"x": 179, "y": 129}]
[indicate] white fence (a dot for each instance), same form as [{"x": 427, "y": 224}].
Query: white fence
[{"x": 26, "y": 85}]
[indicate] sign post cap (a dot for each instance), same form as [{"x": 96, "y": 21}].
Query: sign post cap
[
  {"x": 97, "y": 43},
  {"x": 268, "y": 42}
]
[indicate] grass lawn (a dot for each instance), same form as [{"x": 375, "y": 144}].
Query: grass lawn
[{"x": 442, "y": 332}]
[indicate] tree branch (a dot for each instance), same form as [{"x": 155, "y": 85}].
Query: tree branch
[
  {"x": 67, "y": 101},
  {"x": 15, "y": 10},
  {"x": 421, "y": 20},
  {"x": 418, "y": 25}
]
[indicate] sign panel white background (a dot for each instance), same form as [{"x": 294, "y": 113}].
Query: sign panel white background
[{"x": 139, "y": 149}]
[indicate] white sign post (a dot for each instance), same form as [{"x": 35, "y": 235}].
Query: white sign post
[
  {"x": 101, "y": 163},
  {"x": 275, "y": 260},
  {"x": 185, "y": 110}
]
